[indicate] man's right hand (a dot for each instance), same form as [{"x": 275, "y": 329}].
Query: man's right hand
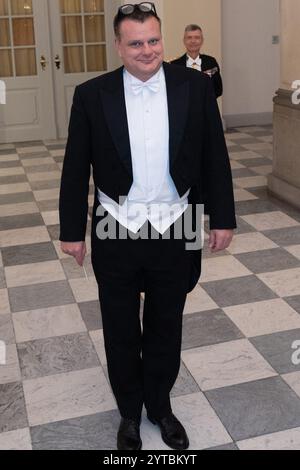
[{"x": 76, "y": 249}]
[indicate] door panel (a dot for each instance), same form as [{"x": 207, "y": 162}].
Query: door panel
[
  {"x": 82, "y": 41},
  {"x": 47, "y": 47},
  {"x": 24, "y": 38}
]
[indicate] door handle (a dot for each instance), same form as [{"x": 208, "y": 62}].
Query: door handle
[
  {"x": 43, "y": 62},
  {"x": 57, "y": 61}
]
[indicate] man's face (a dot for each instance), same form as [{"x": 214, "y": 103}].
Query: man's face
[
  {"x": 140, "y": 47},
  {"x": 193, "y": 41}
]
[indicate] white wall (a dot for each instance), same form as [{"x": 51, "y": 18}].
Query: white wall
[
  {"x": 290, "y": 24},
  {"x": 177, "y": 14},
  {"x": 250, "y": 62}
]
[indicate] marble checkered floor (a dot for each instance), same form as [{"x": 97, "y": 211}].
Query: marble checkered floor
[{"x": 238, "y": 387}]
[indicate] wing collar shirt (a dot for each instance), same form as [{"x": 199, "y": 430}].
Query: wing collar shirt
[
  {"x": 153, "y": 194},
  {"x": 194, "y": 63}
]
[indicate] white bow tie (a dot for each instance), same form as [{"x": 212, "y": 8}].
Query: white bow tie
[
  {"x": 197, "y": 61},
  {"x": 152, "y": 85}
]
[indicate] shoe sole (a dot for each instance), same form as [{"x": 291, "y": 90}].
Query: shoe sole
[
  {"x": 139, "y": 448},
  {"x": 165, "y": 441}
]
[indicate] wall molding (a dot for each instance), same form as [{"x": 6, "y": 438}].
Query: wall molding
[{"x": 253, "y": 119}]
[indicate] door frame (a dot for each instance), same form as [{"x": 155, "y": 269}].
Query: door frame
[{"x": 64, "y": 84}]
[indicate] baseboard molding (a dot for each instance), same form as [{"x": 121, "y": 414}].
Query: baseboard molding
[
  {"x": 254, "y": 119},
  {"x": 284, "y": 190}
]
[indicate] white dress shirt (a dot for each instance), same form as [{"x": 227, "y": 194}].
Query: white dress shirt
[
  {"x": 194, "y": 63},
  {"x": 153, "y": 194}
]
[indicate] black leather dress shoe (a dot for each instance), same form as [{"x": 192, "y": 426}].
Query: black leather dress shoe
[
  {"x": 172, "y": 432},
  {"x": 129, "y": 435}
]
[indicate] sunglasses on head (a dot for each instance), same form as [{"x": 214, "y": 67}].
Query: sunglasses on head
[{"x": 145, "y": 7}]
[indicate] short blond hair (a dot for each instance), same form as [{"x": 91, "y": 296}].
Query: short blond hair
[{"x": 192, "y": 27}]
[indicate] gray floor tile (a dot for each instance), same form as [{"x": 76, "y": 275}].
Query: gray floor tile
[
  {"x": 291, "y": 211},
  {"x": 263, "y": 194},
  {"x": 50, "y": 205},
  {"x": 263, "y": 261},
  {"x": 263, "y": 133},
  {"x": 247, "y": 140},
  {"x": 95, "y": 432},
  {"x": 42, "y": 295},
  {"x": 29, "y": 143},
  {"x": 91, "y": 314},
  {"x": 54, "y": 231},
  {"x": 42, "y": 168},
  {"x": 205, "y": 328},
  {"x": 235, "y": 148},
  {"x": 232, "y": 446},
  {"x": 185, "y": 383},
  {"x": 56, "y": 355},
  {"x": 252, "y": 162},
  {"x": 7, "y": 151},
  {"x": 231, "y": 130},
  {"x": 55, "y": 146},
  {"x": 277, "y": 349},
  {"x": 268, "y": 153},
  {"x": 294, "y": 302},
  {"x": 256, "y": 408},
  {"x": 284, "y": 236},
  {"x": 88, "y": 227},
  {"x": 242, "y": 173},
  {"x": 12, "y": 407},
  {"x": 254, "y": 206},
  {"x": 13, "y": 179},
  {"x": 21, "y": 221},
  {"x": 39, "y": 154},
  {"x": 2, "y": 279},
  {"x": 24, "y": 254},
  {"x": 7, "y": 329},
  {"x": 242, "y": 226},
  {"x": 15, "y": 198},
  {"x": 7, "y": 146},
  {"x": 48, "y": 184},
  {"x": 58, "y": 159},
  {"x": 240, "y": 290},
  {"x": 10, "y": 164}
]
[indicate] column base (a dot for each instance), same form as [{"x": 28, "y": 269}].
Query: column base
[{"x": 284, "y": 191}]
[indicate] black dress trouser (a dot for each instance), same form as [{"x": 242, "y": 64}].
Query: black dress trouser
[{"x": 143, "y": 360}]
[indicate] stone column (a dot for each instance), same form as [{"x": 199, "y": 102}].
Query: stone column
[{"x": 284, "y": 182}]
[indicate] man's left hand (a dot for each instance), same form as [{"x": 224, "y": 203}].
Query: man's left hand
[{"x": 219, "y": 240}]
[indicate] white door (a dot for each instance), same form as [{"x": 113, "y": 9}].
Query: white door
[
  {"x": 47, "y": 47},
  {"x": 82, "y": 48},
  {"x": 24, "y": 43}
]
